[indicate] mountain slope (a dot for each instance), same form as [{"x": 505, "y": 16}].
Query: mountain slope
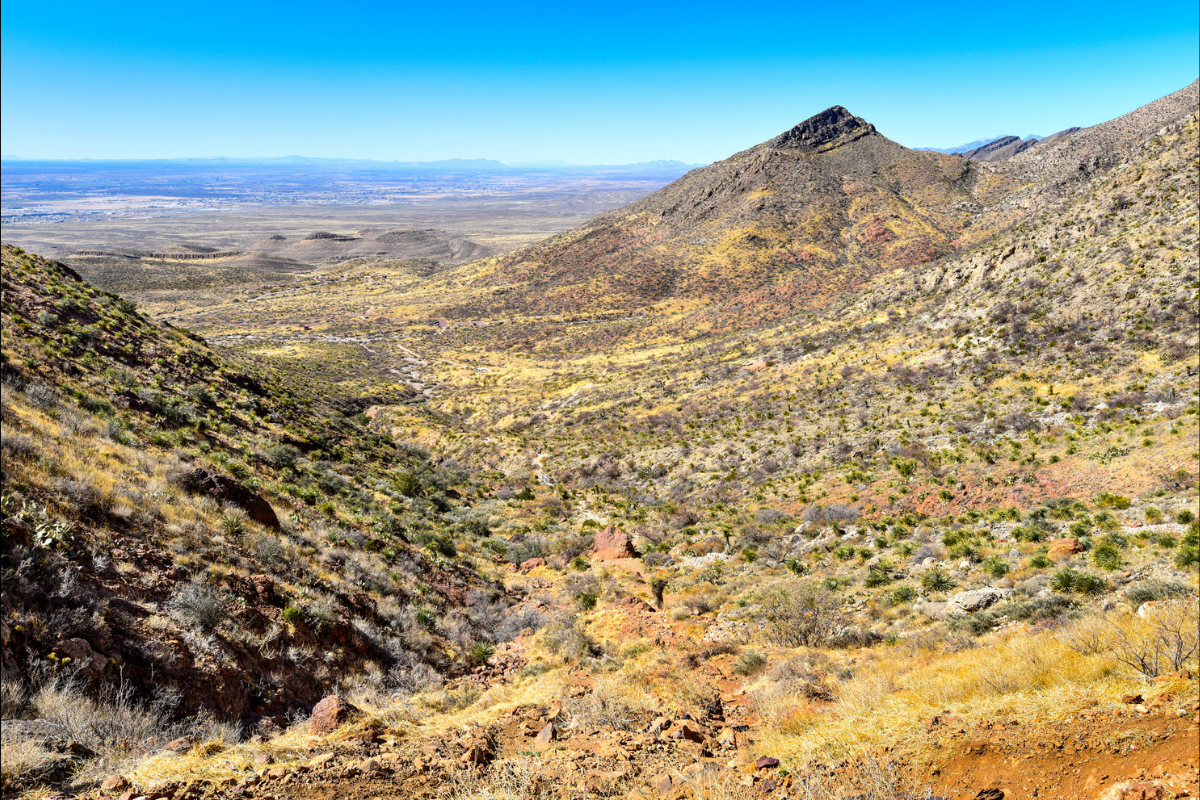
[
  {"x": 812, "y": 212},
  {"x": 193, "y": 525}
]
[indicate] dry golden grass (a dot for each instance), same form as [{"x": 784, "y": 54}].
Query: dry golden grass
[
  {"x": 1025, "y": 675},
  {"x": 21, "y": 759},
  {"x": 214, "y": 760}
]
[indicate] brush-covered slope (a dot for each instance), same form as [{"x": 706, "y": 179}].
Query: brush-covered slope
[
  {"x": 810, "y": 213},
  {"x": 202, "y": 528}
]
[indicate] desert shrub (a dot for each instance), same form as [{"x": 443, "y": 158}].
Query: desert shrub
[
  {"x": 564, "y": 636},
  {"x": 480, "y": 652},
  {"x": 267, "y": 549},
  {"x": 1063, "y": 580},
  {"x": 585, "y": 601},
  {"x": 995, "y": 566},
  {"x": 936, "y": 581},
  {"x": 1166, "y": 642},
  {"x": 1154, "y": 590},
  {"x": 1106, "y": 556},
  {"x": 1089, "y": 585},
  {"x": 749, "y": 663},
  {"x": 512, "y": 625},
  {"x": 834, "y": 512},
  {"x": 527, "y": 548},
  {"x": 1040, "y": 561},
  {"x": 805, "y": 614},
  {"x": 41, "y": 397},
  {"x": 1034, "y": 610},
  {"x": 1187, "y": 557},
  {"x": 280, "y": 455},
  {"x": 17, "y": 445},
  {"x": 901, "y": 595},
  {"x": 233, "y": 522},
  {"x": 877, "y": 576},
  {"x": 1185, "y": 517},
  {"x": 1108, "y": 500},
  {"x": 199, "y": 605},
  {"x": 613, "y": 704}
]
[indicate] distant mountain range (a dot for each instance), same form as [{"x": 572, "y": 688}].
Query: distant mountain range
[
  {"x": 473, "y": 164},
  {"x": 998, "y": 148}
]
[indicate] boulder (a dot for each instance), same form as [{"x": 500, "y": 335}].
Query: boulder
[
  {"x": 766, "y": 762},
  {"x": 545, "y": 738},
  {"x": 1064, "y": 548},
  {"x": 224, "y": 489},
  {"x": 89, "y": 663},
  {"x": 114, "y": 783},
  {"x": 612, "y": 544},
  {"x": 632, "y": 603},
  {"x": 331, "y": 713},
  {"x": 973, "y": 600},
  {"x": 532, "y": 563}
]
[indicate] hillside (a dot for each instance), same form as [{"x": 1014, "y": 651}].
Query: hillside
[
  {"x": 201, "y": 530},
  {"x": 834, "y": 469},
  {"x": 820, "y": 208}
]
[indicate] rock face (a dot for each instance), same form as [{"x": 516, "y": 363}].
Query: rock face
[
  {"x": 612, "y": 544},
  {"x": 831, "y": 125},
  {"x": 226, "y": 490},
  {"x": 976, "y": 600},
  {"x": 329, "y": 714}
]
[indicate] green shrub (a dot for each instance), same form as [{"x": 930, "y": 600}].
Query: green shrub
[
  {"x": 901, "y": 595},
  {"x": 936, "y": 581},
  {"x": 1116, "y": 501},
  {"x": 1185, "y": 517},
  {"x": 585, "y": 601},
  {"x": 1064, "y": 580},
  {"x": 995, "y": 566},
  {"x": 877, "y": 576},
  {"x": 1106, "y": 556},
  {"x": 1089, "y": 585},
  {"x": 480, "y": 652},
  {"x": 1040, "y": 561}
]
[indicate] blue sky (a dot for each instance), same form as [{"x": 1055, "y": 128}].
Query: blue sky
[{"x": 613, "y": 82}]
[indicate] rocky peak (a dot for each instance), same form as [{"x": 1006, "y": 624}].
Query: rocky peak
[{"x": 834, "y": 125}]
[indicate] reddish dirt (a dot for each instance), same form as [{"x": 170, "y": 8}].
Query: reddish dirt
[{"x": 1082, "y": 759}]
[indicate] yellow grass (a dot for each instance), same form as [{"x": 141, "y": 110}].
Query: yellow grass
[{"x": 1048, "y": 676}]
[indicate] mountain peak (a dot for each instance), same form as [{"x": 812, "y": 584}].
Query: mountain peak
[{"x": 834, "y": 125}]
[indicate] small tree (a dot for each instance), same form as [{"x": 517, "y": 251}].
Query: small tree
[{"x": 805, "y": 614}]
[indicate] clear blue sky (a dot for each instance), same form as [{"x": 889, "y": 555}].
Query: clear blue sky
[{"x": 610, "y": 82}]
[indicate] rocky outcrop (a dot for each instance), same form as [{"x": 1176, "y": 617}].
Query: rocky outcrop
[
  {"x": 834, "y": 124},
  {"x": 224, "y": 489},
  {"x": 612, "y": 544},
  {"x": 975, "y": 600}
]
